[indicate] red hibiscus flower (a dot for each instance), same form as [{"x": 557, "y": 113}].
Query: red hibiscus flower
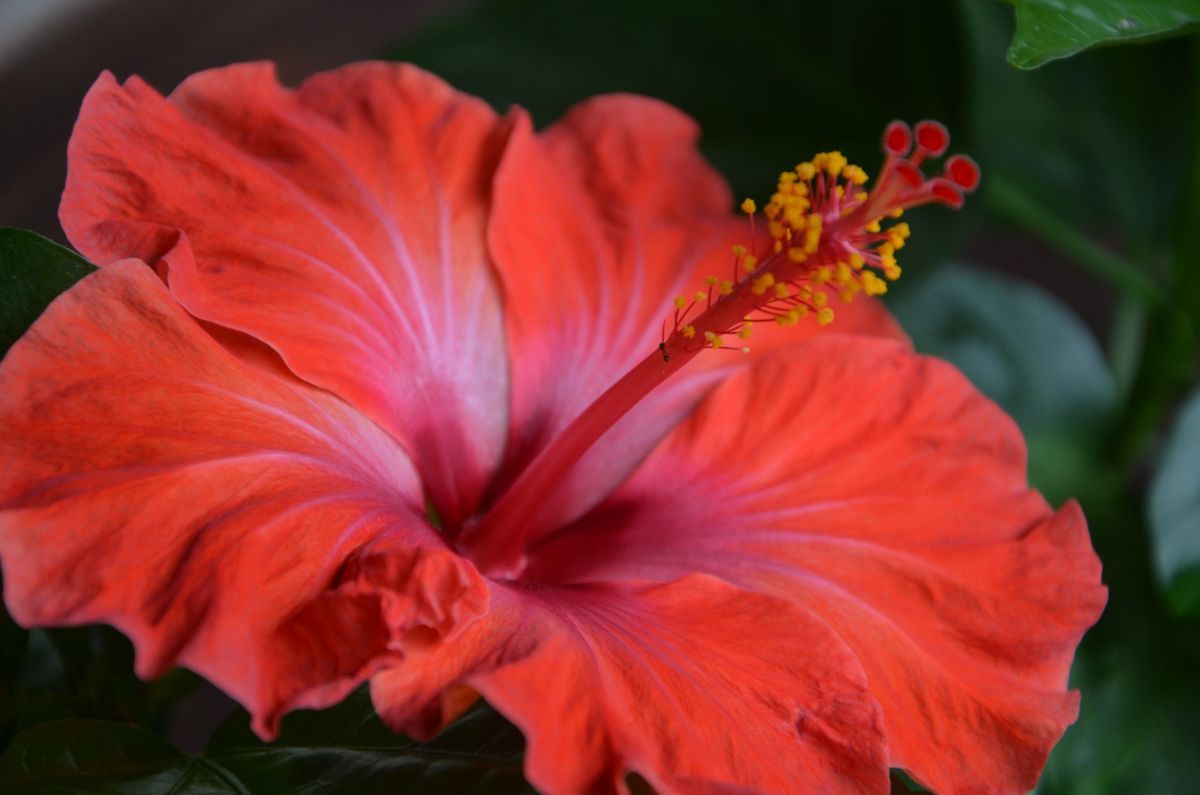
[{"x": 370, "y": 388}]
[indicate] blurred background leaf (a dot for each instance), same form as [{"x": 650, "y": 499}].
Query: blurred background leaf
[
  {"x": 1175, "y": 511},
  {"x": 343, "y": 750},
  {"x": 1052, "y": 29}
]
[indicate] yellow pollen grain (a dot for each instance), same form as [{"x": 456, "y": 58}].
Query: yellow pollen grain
[
  {"x": 762, "y": 283},
  {"x": 700, "y": 296},
  {"x": 726, "y": 287},
  {"x": 680, "y": 302},
  {"x": 749, "y": 207},
  {"x": 820, "y": 299},
  {"x": 782, "y": 291},
  {"x": 689, "y": 331},
  {"x": 854, "y": 175},
  {"x": 749, "y": 263},
  {"x": 825, "y": 316}
]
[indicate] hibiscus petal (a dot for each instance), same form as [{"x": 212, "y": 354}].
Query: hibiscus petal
[
  {"x": 696, "y": 685},
  {"x": 879, "y": 490},
  {"x": 342, "y": 223},
  {"x": 252, "y": 528},
  {"x": 598, "y": 223}
]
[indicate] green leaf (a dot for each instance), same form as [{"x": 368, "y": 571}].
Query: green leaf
[
  {"x": 1175, "y": 511},
  {"x": 92, "y": 756},
  {"x": 345, "y": 749},
  {"x": 1051, "y": 29},
  {"x": 1027, "y": 351},
  {"x": 1101, "y": 142},
  {"x": 33, "y": 271}
]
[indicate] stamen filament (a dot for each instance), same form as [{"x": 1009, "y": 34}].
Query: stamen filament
[{"x": 826, "y": 234}]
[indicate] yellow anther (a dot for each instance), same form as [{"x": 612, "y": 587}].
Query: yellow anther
[
  {"x": 711, "y": 280},
  {"x": 901, "y": 229},
  {"x": 847, "y": 295},
  {"x": 873, "y": 226},
  {"x": 749, "y": 207},
  {"x": 895, "y": 239},
  {"x": 885, "y": 250},
  {"x": 856, "y": 260},
  {"x": 762, "y": 283},
  {"x": 825, "y": 316},
  {"x": 739, "y": 250},
  {"x": 680, "y": 302},
  {"x": 796, "y": 254},
  {"x": 872, "y": 284},
  {"x": 854, "y": 175},
  {"x": 806, "y": 171},
  {"x": 839, "y": 191},
  {"x": 782, "y": 291},
  {"x": 713, "y": 339},
  {"x": 896, "y": 213},
  {"x": 820, "y": 299},
  {"x": 689, "y": 331},
  {"x": 744, "y": 331},
  {"x": 812, "y": 240},
  {"x": 749, "y": 263},
  {"x": 892, "y": 273},
  {"x": 700, "y": 296},
  {"x": 822, "y": 275},
  {"x": 726, "y": 287}
]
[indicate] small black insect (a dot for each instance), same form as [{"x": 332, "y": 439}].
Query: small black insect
[{"x": 662, "y": 347}]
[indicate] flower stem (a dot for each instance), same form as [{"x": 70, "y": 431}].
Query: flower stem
[{"x": 1012, "y": 203}]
